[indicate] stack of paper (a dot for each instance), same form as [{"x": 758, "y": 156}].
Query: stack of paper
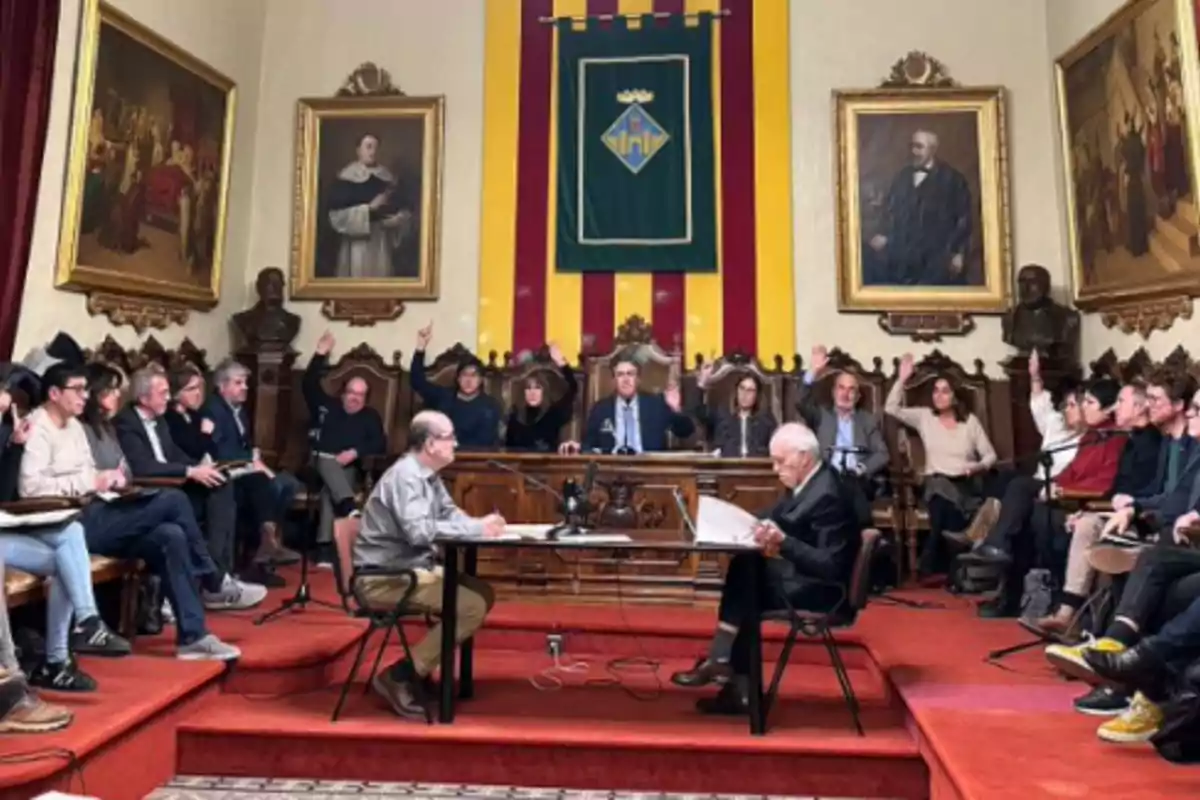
[{"x": 719, "y": 522}]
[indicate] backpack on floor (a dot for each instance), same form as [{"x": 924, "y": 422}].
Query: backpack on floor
[{"x": 970, "y": 578}]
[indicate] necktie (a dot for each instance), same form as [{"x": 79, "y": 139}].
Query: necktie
[{"x": 629, "y": 423}]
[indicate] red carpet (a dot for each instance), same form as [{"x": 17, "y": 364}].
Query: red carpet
[{"x": 941, "y": 724}]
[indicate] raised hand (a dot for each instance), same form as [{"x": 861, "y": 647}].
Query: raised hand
[
  {"x": 671, "y": 395},
  {"x": 1035, "y": 364},
  {"x": 819, "y": 360},
  {"x": 325, "y": 344},
  {"x": 908, "y": 366},
  {"x": 556, "y": 355},
  {"x": 424, "y": 336},
  {"x": 705, "y": 374}
]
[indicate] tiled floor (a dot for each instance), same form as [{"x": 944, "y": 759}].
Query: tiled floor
[{"x": 213, "y": 788}]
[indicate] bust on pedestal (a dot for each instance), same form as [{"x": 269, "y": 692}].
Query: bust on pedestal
[
  {"x": 263, "y": 343},
  {"x": 1037, "y": 322}
]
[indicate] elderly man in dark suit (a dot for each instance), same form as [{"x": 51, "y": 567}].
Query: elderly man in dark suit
[
  {"x": 810, "y": 539},
  {"x": 633, "y": 421}
]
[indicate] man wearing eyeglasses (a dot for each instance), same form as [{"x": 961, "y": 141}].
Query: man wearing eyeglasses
[{"x": 407, "y": 511}]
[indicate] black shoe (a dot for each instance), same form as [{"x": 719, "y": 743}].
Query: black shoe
[
  {"x": 400, "y": 695},
  {"x": 1132, "y": 667},
  {"x": 262, "y": 575},
  {"x": 405, "y": 672},
  {"x": 92, "y": 637},
  {"x": 704, "y": 672},
  {"x": 729, "y": 701},
  {"x": 997, "y": 608},
  {"x": 987, "y": 554},
  {"x": 66, "y": 677},
  {"x": 1103, "y": 701}
]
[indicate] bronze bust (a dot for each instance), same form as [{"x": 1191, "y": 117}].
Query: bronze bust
[
  {"x": 1039, "y": 323},
  {"x": 267, "y": 325}
]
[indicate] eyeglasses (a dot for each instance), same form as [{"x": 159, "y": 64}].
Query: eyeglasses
[{"x": 78, "y": 388}]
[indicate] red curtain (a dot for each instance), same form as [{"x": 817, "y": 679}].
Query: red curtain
[{"x": 28, "y": 30}]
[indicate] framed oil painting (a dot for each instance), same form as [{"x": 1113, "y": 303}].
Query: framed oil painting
[
  {"x": 148, "y": 168},
  {"x": 922, "y": 200},
  {"x": 366, "y": 220},
  {"x": 1130, "y": 158}
]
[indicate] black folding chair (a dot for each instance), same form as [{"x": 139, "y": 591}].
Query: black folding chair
[
  {"x": 345, "y": 532},
  {"x": 821, "y": 624}
]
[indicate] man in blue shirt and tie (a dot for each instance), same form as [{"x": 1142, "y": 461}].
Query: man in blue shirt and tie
[{"x": 631, "y": 421}]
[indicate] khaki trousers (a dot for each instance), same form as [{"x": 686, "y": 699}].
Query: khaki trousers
[
  {"x": 1080, "y": 574},
  {"x": 475, "y": 599}
]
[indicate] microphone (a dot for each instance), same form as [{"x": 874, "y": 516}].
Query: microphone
[
  {"x": 314, "y": 433},
  {"x": 529, "y": 478}
]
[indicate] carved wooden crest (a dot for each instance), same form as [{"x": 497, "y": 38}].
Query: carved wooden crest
[
  {"x": 918, "y": 69},
  {"x": 369, "y": 80},
  {"x": 140, "y": 313},
  {"x": 634, "y": 331},
  {"x": 1148, "y": 316},
  {"x": 363, "y": 313}
]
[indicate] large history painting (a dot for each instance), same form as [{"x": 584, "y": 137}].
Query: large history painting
[
  {"x": 368, "y": 194},
  {"x": 922, "y": 196},
  {"x": 148, "y": 171},
  {"x": 1131, "y": 155}
]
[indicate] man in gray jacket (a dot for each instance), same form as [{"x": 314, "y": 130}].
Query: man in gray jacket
[{"x": 407, "y": 511}]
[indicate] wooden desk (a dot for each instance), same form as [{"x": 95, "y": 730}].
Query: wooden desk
[{"x": 632, "y": 493}]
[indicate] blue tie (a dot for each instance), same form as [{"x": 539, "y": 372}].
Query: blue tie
[{"x": 630, "y": 425}]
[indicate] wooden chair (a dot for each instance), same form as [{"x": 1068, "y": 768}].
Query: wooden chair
[
  {"x": 820, "y": 624},
  {"x": 729, "y": 371},
  {"x": 973, "y": 390},
  {"x": 512, "y": 387},
  {"x": 345, "y": 533}
]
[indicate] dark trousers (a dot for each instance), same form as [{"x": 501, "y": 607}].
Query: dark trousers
[
  {"x": 1179, "y": 638},
  {"x": 943, "y": 516},
  {"x": 744, "y": 597},
  {"x": 154, "y": 530},
  {"x": 262, "y": 500},
  {"x": 217, "y": 507},
  {"x": 1163, "y": 583}
]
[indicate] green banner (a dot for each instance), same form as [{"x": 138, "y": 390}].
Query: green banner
[{"x": 636, "y": 159}]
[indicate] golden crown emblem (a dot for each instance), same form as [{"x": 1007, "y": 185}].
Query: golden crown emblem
[{"x": 638, "y": 96}]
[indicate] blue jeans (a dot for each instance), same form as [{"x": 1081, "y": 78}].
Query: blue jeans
[{"x": 61, "y": 556}]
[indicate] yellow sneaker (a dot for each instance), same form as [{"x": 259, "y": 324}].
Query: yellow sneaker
[
  {"x": 1138, "y": 724},
  {"x": 1069, "y": 660}
]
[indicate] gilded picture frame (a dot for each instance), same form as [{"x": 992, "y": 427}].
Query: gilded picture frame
[
  {"x": 889, "y": 258},
  {"x": 367, "y": 214},
  {"x": 148, "y": 167},
  {"x": 1124, "y": 92}
]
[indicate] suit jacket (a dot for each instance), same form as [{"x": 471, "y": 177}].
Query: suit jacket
[
  {"x": 655, "y": 418},
  {"x": 228, "y": 443},
  {"x": 868, "y": 434},
  {"x": 139, "y": 453},
  {"x": 821, "y": 534}
]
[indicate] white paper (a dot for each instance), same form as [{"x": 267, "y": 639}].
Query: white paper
[
  {"x": 57, "y": 517},
  {"x": 719, "y": 522},
  {"x": 585, "y": 539},
  {"x": 537, "y": 532}
]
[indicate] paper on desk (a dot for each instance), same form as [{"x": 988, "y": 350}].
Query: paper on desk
[
  {"x": 719, "y": 522},
  {"x": 540, "y": 532},
  {"x": 537, "y": 532},
  {"x": 56, "y": 517}
]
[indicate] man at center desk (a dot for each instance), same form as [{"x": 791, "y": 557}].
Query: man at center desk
[{"x": 632, "y": 421}]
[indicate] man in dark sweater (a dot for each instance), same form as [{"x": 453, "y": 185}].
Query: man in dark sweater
[
  {"x": 345, "y": 430},
  {"x": 475, "y": 415}
]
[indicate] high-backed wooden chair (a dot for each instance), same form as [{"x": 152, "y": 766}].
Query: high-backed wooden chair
[
  {"x": 382, "y": 379},
  {"x": 441, "y": 371},
  {"x": 973, "y": 390},
  {"x": 512, "y": 389},
  {"x": 729, "y": 371}
]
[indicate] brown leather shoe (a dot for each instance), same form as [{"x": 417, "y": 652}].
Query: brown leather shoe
[
  {"x": 984, "y": 520},
  {"x": 31, "y": 714},
  {"x": 399, "y": 695},
  {"x": 705, "y": 671}
]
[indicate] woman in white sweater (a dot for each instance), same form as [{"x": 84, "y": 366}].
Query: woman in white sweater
[{"x": 958, "y": 454}]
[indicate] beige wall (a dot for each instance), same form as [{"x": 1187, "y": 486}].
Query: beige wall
[
  {"x": 280, "y": 50},
  {"x": 1068, "y": 21},
  {"x": 429, "y": 48},
  {"x": 228, "y": 35}
]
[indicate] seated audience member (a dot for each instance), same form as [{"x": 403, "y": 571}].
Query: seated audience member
[
  {"x": 851, "y": 438},
  {"x": 144, "y": 440},
  {"x": 535, "y": 424},
  {"x": 22, "y": 711},
  {"x": 345, "y": 430},
  {"x": 958, "y": 454},
  {"x": 810, "y": 540},
  {"x": 408, "y": 508},
  {"x": 744, "y": 428},
  {"x": 261, "y": 495},
  {"x": 185, "y": 420},
  {"x": 632, "y": 421},
  {"x": 59, "y": 462},
  {"x": 58, "y": 553},
  {"x": 476, "y": 416},
  {"x": 1139, "y": 457},
  {"x": 1027, "y": 525}
]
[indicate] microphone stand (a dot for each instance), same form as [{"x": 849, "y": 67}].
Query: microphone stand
[
  {"x": 303, "y": 595},
  {"x": 573, "y": 511},
  {"x": 1045, "y": 459}
]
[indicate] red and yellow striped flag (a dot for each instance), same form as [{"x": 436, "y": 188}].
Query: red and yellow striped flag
[{"x": 747, "y": 304}]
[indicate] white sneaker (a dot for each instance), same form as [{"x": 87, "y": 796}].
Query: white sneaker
[
  {"x": 168, "y": 615},
  {"x": 234, "y": 596},
  {"x": 208, "y": 648}
]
